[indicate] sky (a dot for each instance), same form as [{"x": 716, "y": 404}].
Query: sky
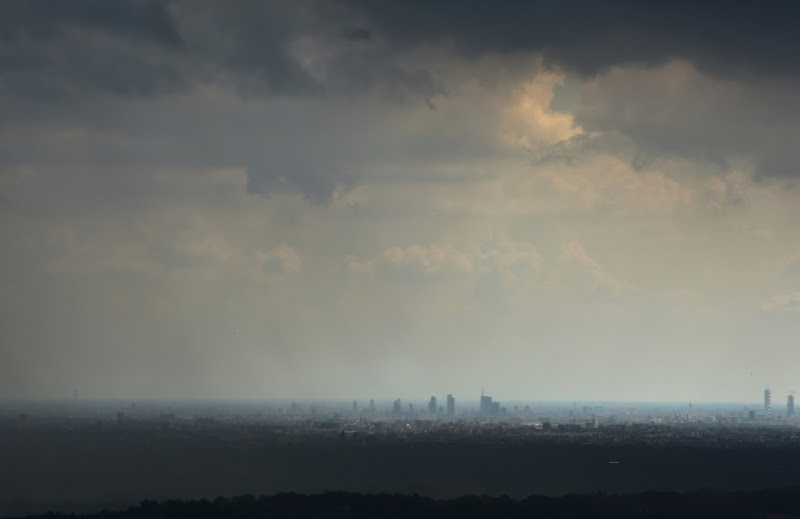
[{"x": 580, "y": 201}]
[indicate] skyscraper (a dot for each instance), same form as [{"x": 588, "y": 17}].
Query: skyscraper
[
  {"x": 396, "y": 408},
  {"x": 451, "y": 406},
  {"x": 790, "y": 405},
  {"x": 372, "y": 407},
  {"x": 432, "y": 407},
  {"x": 486, "y": 404},
  {"x": 767, "y": 400}
]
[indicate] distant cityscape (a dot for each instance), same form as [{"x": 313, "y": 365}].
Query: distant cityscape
[
  {"x": 370, "y": 417},
  {"x": 492, "y": 410}
]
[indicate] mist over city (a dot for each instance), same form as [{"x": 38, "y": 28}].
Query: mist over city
[{"x": 273, "y": 229}]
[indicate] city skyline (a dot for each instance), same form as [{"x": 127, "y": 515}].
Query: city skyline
[
  {"x": 570, "y": 201},
  {"x": 480, "y": 405}
]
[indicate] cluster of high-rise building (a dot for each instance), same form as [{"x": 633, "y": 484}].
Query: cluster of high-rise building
[
  {"x": 487, "y": 407},
  {"x": 433, "y": 407},
  {"x": 492, "y": 410},
  {"x": 768, "y": 403}
]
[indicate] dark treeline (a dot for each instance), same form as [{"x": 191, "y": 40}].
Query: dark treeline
[{"x": 757, "y": 504}]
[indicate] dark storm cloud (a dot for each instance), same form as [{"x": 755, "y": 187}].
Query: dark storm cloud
[
  {"x": 76, "y": 67},
  {"x": 49, "y": 50},
  {"x": 52, "y": 53},
  {"x": 752, "y": 45},
  {"x": 588, "y": 36},
  {"x": 46, "y": 44},
  {"x": 46, "y": 20},
  {"x": 248, "y": 44},
  {"x": 83, "y": 65}
]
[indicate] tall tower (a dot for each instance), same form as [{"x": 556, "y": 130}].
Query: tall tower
[
  {"x": 790, "y": 405},
  {"x": 451, "y": 406},
  {"x": 486, "y": 404},
  {"x": 767, "y": 401}
]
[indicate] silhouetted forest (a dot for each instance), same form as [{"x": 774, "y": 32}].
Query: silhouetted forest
[{"x": 781, "y": 503}]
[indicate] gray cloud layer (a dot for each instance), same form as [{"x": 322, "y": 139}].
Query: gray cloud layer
[{"x": 52, "y": 54}]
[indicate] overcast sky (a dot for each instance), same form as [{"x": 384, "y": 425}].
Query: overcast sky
[{"x": 371, "y": 199}]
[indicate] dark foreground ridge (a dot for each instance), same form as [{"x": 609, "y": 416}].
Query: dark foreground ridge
[{"x": 778, "y": 503}]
